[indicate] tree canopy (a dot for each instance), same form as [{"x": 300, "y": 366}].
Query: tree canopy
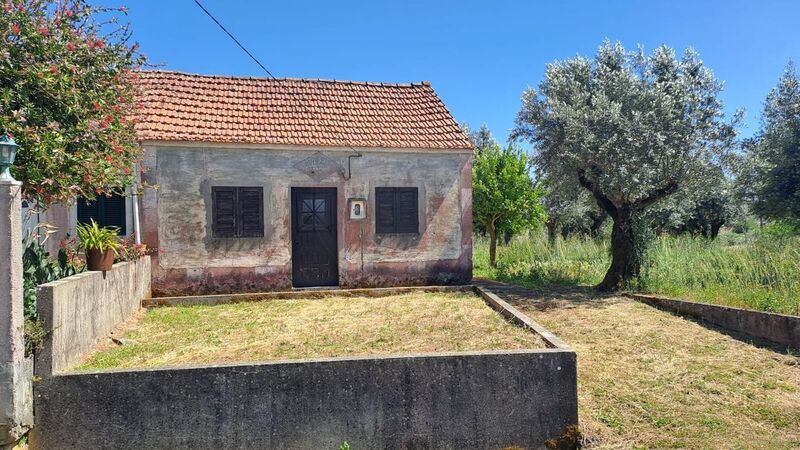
[
  {"x": 67, "y": 98},
  {"x": 774, "y": 154},
  {"x": 631, "y": 129},
  {"x": 503, "y": 193}
]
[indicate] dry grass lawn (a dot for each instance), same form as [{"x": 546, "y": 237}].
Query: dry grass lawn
[
  {"x": 289, "y": 329},
  {"x": 649, "y": 379}
]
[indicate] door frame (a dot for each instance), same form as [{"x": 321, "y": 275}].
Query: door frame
[{"x": 335, "y": 232}]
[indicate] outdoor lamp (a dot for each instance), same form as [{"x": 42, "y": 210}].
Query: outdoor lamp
[{"x": 8, "y": 150}]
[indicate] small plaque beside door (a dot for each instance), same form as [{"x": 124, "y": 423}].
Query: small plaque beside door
[{"x": 358, "y": 208}]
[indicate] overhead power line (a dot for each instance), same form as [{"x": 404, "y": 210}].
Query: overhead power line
[
  {"x": 234, "y": 38},
  {"x": 300, "y": 104}
]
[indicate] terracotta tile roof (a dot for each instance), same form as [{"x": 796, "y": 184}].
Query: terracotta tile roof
[{"x": 184, "y": 107}]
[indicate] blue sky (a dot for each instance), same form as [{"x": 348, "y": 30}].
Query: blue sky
[{"x": 478, "y": 55}]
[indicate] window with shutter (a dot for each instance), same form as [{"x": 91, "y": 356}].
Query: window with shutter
[
  {"x": 237, "y": 212},
  {"x": 396, "y": 210},
  {"x": 251, "y": 217},
  {"x": 106, "y": 211}
]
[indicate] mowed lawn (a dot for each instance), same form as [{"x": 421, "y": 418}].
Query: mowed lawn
[
  {"x": 289, "y": 329},
  {"x": 649, "y": 379}
]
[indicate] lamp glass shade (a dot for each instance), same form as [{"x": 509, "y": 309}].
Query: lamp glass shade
[{"x": 8, "y": 151}]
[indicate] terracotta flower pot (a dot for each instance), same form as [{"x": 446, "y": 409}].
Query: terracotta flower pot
[{"x": 97, "y": 260}]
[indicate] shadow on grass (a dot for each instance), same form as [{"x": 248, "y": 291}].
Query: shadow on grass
[
  {"x": 551, "y": 296},
  {"x": 565, "y": 296}
]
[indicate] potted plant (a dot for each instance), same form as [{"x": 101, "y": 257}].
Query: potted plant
[{"x": 100, "y": 244}]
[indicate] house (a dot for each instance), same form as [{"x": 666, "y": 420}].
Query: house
[{"x": 265, "y": 184}]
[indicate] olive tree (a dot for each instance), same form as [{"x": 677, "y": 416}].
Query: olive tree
[
  {"x": 503, "y": 193},
  {"x": 774, "y": 155},
  {"x": 570, "y": 210},
  {"x": 631, "y": 129}
]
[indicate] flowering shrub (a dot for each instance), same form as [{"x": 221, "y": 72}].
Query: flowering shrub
[
  {"x": 129, "y": 250},
  {"x": 67, "y": 97}
]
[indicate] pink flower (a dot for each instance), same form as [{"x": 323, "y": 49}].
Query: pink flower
[
  {"x": 70, "y": 46},
  {"x": 15, "y": 28},
  {"x": 44, "y": 31}
]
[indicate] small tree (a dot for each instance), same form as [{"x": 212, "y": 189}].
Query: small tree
[
  {"x": 503, "y": 194},
  {"x": 774, "y": 156},
  {"x": 631, "y": 129},
  {"x": 67, "y": 98}
]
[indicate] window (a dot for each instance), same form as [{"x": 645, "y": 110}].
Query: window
[
  {"x": 237, "y": 212},
  {"x": 396, "y": 210},
  {"x": 106, "y": 211}
]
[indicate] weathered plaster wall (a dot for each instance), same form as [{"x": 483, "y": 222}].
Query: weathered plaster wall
[
  {"x": 78, "y": 311},
  {"x": 177, "y": 217}
]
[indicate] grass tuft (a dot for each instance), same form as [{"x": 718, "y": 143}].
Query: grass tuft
[
  {"x": 290, "y": 329},
  {"x": 759, "y": 273}
]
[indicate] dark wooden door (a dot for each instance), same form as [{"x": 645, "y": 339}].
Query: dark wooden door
[{"x": 314, "y": 251}]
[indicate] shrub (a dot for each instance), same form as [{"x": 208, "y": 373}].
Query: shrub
[
  {"x": 39, "y": 268},
  {"x": 129, "y": 250}
]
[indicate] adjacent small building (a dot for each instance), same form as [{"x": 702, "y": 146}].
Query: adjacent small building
[{"x": 265, "y": 184}]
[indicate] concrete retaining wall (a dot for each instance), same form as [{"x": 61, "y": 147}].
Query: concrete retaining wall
[
  {"x": 79, "y": 310},
  {"x": 778, "y": 328},
  {"x": 466, "y": 400},
  {"x": 492, "y": 399}
]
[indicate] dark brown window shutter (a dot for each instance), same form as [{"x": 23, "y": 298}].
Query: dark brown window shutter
[
  {"x": 406, "y": 212},
  {"x": 396, "y": 210},
  {"x": 384, "y": 210},
  {"x": 223, "y": 209},
  {"x": 250, "y": 213}
]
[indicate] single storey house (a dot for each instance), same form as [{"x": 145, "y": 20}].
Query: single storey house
[{"x": 264, "y": 184}]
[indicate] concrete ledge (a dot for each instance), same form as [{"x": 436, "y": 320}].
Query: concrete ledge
[
  {"x": 780, "y": 329},
  {"x": 79, "y": 310},
  {"x": 515, "y": 316},
  {"x": 221, "y": 299}
]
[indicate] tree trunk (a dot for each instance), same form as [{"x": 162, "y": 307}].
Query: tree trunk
[
  {"x": 492, "y": 244},
  {"x": 597, "y": 219},
  {"x": 625, "y": 260},
  {"x": 551, "y": 231},
  {"x": 715, "y": 226}
]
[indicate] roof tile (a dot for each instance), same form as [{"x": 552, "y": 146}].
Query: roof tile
[{"x": 184, "y": 107}]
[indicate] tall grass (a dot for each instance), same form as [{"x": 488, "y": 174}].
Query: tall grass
[{"x": 760, "y": 273}]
